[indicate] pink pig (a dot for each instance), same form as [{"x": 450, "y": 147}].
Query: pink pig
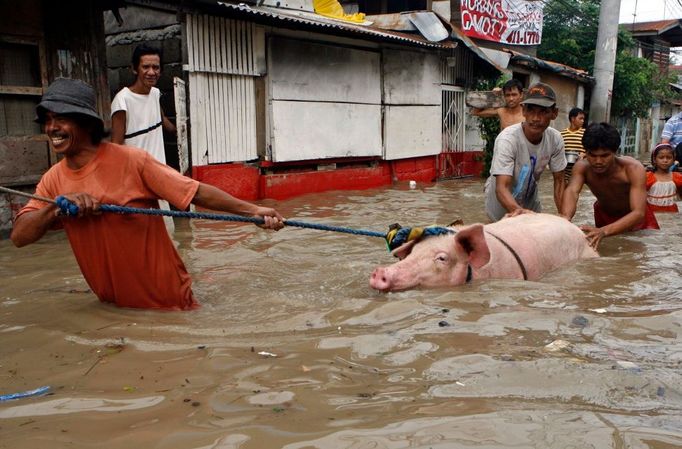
[{"x": 522, "y": 247}]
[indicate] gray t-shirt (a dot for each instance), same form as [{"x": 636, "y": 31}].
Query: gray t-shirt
[{"x": 515, "y": 156}]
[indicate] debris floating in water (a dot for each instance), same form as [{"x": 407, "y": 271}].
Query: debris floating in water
[
  {"x": 598, "y": 310},
  {"x": 267, "y": 354},
  {"x": 557, "y": 345},
  {"x": 24, "y": 394}
]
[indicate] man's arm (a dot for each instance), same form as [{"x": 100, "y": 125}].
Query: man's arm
[
  {"x": 503, "y": 187},
  {"x": 32, "y": 226},
  {"x": 118, "y": 127},
  {"x": 569, "y": 200},
  {"x": 167, "y": 124},
  {"x": 559, "y": 188},
  {"x": 210, "y": 197},
  {"x": 668, "y": 130},
  {"x": 485, "y": 113}
]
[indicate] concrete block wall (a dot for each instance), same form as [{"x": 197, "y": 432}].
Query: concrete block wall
[{"x": 9, "y": 207}]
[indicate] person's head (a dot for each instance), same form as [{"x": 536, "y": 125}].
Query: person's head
[
  {"x": 512, "y": 91},
  {"x": 662, "y": 157},
  {"x": 539, "y": 109},
  {"x": 576, "y": 118},
  {"x": 146, "y": 65},
  {"x": 601, "y": 142},
  {"x": 67, "y": 112}
]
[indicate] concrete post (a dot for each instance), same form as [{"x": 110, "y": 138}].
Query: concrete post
[{"x": 605, "y": 60}]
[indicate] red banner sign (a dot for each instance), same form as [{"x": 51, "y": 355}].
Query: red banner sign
[{"x": 515, "y": 22}]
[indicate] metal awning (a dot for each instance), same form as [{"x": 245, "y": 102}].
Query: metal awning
[{"x": 307, "y": 20}]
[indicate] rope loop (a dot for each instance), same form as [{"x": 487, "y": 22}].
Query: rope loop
[{"x": 66, "y": 206}]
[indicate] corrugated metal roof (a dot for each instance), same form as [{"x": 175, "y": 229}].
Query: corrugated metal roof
[
  {"x": 313, "y": 20},
  {"x": 562, "y": 69},
  {"x": 657, "y": 26},
  {"x": 459, "y": 35}
]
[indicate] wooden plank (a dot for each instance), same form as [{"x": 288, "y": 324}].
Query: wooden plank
[
  {"x": 21, "y": 90},
  {"x": 233, "y": 47},
  {"x": 412, "y": 131},
  {"x": 222, "y": 100},
  {"x": 485, "y": 99},
  {"x": 309, "y": 130},
  {"x": 179, "y": 95},
  {"x": 240, "y": 111}
]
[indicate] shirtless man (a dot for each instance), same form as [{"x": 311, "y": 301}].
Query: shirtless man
[
  {"x": 618, "y": 182},
  {"x": 512, "y": 113}
]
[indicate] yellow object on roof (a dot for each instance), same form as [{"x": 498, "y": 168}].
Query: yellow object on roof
[{"x": 333, "y": 9}]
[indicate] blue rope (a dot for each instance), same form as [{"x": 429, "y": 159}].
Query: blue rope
[{"x": 68, "y": 208}]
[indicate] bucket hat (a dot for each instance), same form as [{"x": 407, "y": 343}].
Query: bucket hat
[
  {"x": 540, "y": 94},
  {"x": 68, "y": 96}
]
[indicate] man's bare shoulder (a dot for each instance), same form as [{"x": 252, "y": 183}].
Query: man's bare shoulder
[{"x": 632, "y": 166}]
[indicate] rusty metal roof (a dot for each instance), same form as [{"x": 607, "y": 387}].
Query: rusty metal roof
[
  {"x": 304, "y": 19},
  {"x": 656, "y": 26},
  {"x": 543, "y": 64}
]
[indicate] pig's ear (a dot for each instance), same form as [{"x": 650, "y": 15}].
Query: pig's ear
[
  {"x": 403, "y": 250},
  {"x": 471, "y": 241}
]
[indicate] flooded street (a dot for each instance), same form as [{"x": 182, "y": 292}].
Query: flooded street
[{"x": 292, "y": 349}]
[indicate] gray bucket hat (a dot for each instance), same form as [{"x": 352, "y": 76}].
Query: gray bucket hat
[{"x": 68, "y": 96}]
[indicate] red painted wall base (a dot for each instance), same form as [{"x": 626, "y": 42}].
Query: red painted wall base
[{"x": 246, "y": 181}]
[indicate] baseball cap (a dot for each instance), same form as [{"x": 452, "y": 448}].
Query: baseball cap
[
  {"x": 68, "y": 96},
  {"x": 540, "y": 94}
]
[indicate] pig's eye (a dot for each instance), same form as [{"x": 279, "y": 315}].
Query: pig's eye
[{"x": 441, "y": 258}]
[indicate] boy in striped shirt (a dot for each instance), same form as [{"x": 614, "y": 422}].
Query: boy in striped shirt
[{"x": 573, "y": 138}]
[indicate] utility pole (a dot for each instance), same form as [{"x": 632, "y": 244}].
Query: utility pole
[{"x": 605, "y": 60}]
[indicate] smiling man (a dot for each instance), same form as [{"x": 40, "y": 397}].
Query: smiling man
[
  {"x": 128, "y": 260},
  {"x": 618, "y": 182},
  {"x": 521, "y": 153},
  {"x": 137, "y": 119}
]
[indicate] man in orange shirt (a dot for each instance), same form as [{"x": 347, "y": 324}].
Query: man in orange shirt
[{"x": 128, "y": 260}]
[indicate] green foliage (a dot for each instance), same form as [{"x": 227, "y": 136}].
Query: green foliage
[
  {"x": 569, "y": 32},
  {"x": 569, "y": 36}
]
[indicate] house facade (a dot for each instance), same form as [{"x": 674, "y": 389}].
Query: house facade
[
  {"x": 40, "y": 41},
  {"x": 274, "y": 102},
  {"x": 654, "y": 42}
]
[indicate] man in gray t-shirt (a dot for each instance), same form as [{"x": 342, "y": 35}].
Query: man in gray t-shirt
[{"x": 521, "y": 153}]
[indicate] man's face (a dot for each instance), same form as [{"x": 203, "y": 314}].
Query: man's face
[
  {"x": 578, "y": 121},
  {"x": 601, "y": 159},
  {"x": 65, "y": 135},
  {"x": 537, "y": 120},
  {"x": 512, "y": 97},
  {"x": 148, "y": 70}
]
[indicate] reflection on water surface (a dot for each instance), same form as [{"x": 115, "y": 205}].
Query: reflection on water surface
[{"x": 343, "y": 366}]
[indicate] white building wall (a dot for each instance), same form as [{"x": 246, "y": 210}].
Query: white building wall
[
  {"x": 324, "y": 100},
  {"x": 412, "y": 98}
]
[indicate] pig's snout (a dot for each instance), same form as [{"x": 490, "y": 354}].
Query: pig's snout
[{"x": 380, "y": 279}]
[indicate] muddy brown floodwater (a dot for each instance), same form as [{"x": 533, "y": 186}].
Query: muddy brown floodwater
[{"x": 292, "y": 349}]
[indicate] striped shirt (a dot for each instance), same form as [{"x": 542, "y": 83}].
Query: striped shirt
[
  {"x": 573, "y": 140},
  {"x": 672, "y": 131}
]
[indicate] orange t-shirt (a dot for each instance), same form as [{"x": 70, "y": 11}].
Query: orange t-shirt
[{"x": 128, "y": 260}]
